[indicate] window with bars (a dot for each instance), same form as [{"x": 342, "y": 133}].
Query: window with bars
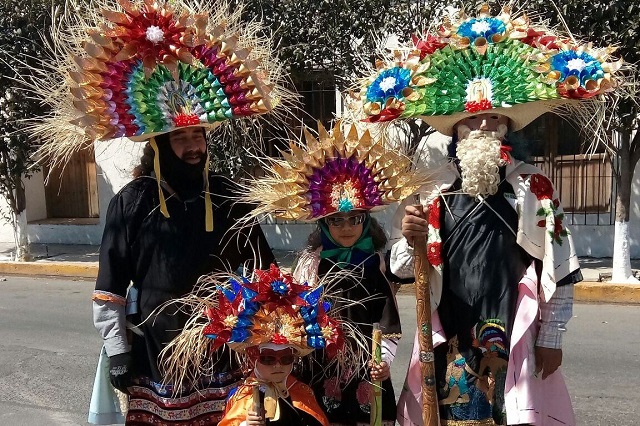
[
  {"x": 584, "y": 180},
  {"x": 317, "y": 104}
]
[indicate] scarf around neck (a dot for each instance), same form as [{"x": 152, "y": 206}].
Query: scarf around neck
[{"x": 346, "y": 256}]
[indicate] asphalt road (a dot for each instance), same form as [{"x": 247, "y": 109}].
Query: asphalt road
[{"x": 49, "y": 348}]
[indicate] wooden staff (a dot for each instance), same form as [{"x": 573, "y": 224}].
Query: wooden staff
[
  {"x": 375, "y": 418},
  {"x": 257, "y": 407},
  {"x": 430, "y": 412}
]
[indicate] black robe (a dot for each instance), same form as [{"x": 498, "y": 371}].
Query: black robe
[{"x": 164, "y": 257}]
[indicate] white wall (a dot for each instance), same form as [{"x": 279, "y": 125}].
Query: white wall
[{"x": 115, "y": 159}]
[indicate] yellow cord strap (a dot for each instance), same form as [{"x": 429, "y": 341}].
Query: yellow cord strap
[
  {"x": 208, "y": 204},
  {"x": 156, "y": 169}
]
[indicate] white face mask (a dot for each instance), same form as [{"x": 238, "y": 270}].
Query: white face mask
[{"x": 464, "y": 132}]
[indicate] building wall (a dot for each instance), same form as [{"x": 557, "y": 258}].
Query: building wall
[{"x": 115, "y": 160}]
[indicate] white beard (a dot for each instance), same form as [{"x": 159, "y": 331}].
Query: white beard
[{"x": 480, "y": 161}]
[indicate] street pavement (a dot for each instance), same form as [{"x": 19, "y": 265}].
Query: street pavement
[
  {"x": 49, "y": 348},
  {"x": 81, "y": 261}
]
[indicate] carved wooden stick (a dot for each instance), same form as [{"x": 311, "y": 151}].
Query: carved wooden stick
[
  {"x": 375, "y": 418},
  {"x": 257, "y": 406},
  {"x": 430, "y": 413}
]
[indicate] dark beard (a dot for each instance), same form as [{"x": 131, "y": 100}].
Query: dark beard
[{"x": 184, "y": 178}]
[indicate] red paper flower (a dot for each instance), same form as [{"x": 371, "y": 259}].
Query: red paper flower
[
  {"x": 538, "y": 38},
  {"x": 182, "y": 120},
  {"x": 434, "y": 253},
  {"x": 387, "y": 114},
  {"x": 473, "y": 106},
  {"x": 150, "y": 34},
  {"x": 219, "y": 317},
  {"x": 427, "y": 46},
  {"x": 434, "y": 213},
  {"x": 275, "y": 287},
  {"x": 279, "y": 339},
  {"x": 541, "y": 187}
]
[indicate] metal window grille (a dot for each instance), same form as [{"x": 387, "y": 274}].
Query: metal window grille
[{"x": 584, "y": 181}]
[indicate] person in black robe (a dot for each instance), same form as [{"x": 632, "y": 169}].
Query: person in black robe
[
  {"x": 482, "y": 262},
  {"x": 148, "y": 259}
]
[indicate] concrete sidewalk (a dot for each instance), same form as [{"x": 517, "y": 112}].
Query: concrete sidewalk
[{"x": 81, "y": 261}]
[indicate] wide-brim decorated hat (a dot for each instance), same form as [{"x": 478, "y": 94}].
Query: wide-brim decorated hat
[
  {"x": 272, "y": 308},
  {"x": 268, "y": 309},
  {"x": 140, "y": 68},
  {"x": 336, "y": 172},
  {"x": 487, "y": 64}
]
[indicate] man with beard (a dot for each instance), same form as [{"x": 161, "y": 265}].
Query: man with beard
[
  {"x": 163, "y": 257},
  {"x": 474, "y": 229},
  {"x": 502, "y": 263}
]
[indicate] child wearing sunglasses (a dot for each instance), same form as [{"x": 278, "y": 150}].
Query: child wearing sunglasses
[
  {"x": 348, "y": 246},
  {"x": 270, "y": 321},
  {"x": 271, "y": 374}
]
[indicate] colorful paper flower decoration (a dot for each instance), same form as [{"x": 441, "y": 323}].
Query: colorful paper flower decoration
[
  {"x": 334, "y": 173},
  {"x": 154, "y": 66},
  {"x": 136, "y": 68},
  {"x": 474, "y": 64},
  {"x": 273, "y": 308},
  {"x": 481, "y": 27}
]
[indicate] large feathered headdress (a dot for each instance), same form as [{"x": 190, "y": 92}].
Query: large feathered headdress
[
  {"x": 337, "y": 172},
  {"x": 271, "y": 308},
  {"x": 471, "y": 65},
  {"x": 138, "y": 68}
]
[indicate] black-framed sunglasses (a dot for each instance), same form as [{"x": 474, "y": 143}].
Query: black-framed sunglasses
[
  {"x": 341, "y": 221},
  {"x": 272, "y": 360}
]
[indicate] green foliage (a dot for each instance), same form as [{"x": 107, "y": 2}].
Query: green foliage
[
  {"x": 21, "y": 23},
  {"x": 331, "y": 39}
]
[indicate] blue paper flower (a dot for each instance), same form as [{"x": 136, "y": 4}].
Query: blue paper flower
[
  {"x": 389, "y": 84},
  {"x": 481, "y": 27},
  {"x": 279, "y": 287},
  {"x": 316, "y": 342},
  {"x": 580, "y": 64},
  {"x": 345, "y": 205},
  {"x": 312, "y": 297}
]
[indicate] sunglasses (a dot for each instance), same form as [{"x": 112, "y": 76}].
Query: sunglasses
[
  {"x": 272, "y": 360},
  {"x": 351, "y": 220}
]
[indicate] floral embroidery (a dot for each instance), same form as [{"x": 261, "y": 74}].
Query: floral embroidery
[
  {"x": 543, "y": 190},
  {"x": 105, "y": 296},
  {"x": 434, "y": 242},
  {"x": 332, "y": 389},
  {"x": 363, "y": 394},
  {"x": 434, "y": 254},
  {"x": 541, "y": 186}
]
